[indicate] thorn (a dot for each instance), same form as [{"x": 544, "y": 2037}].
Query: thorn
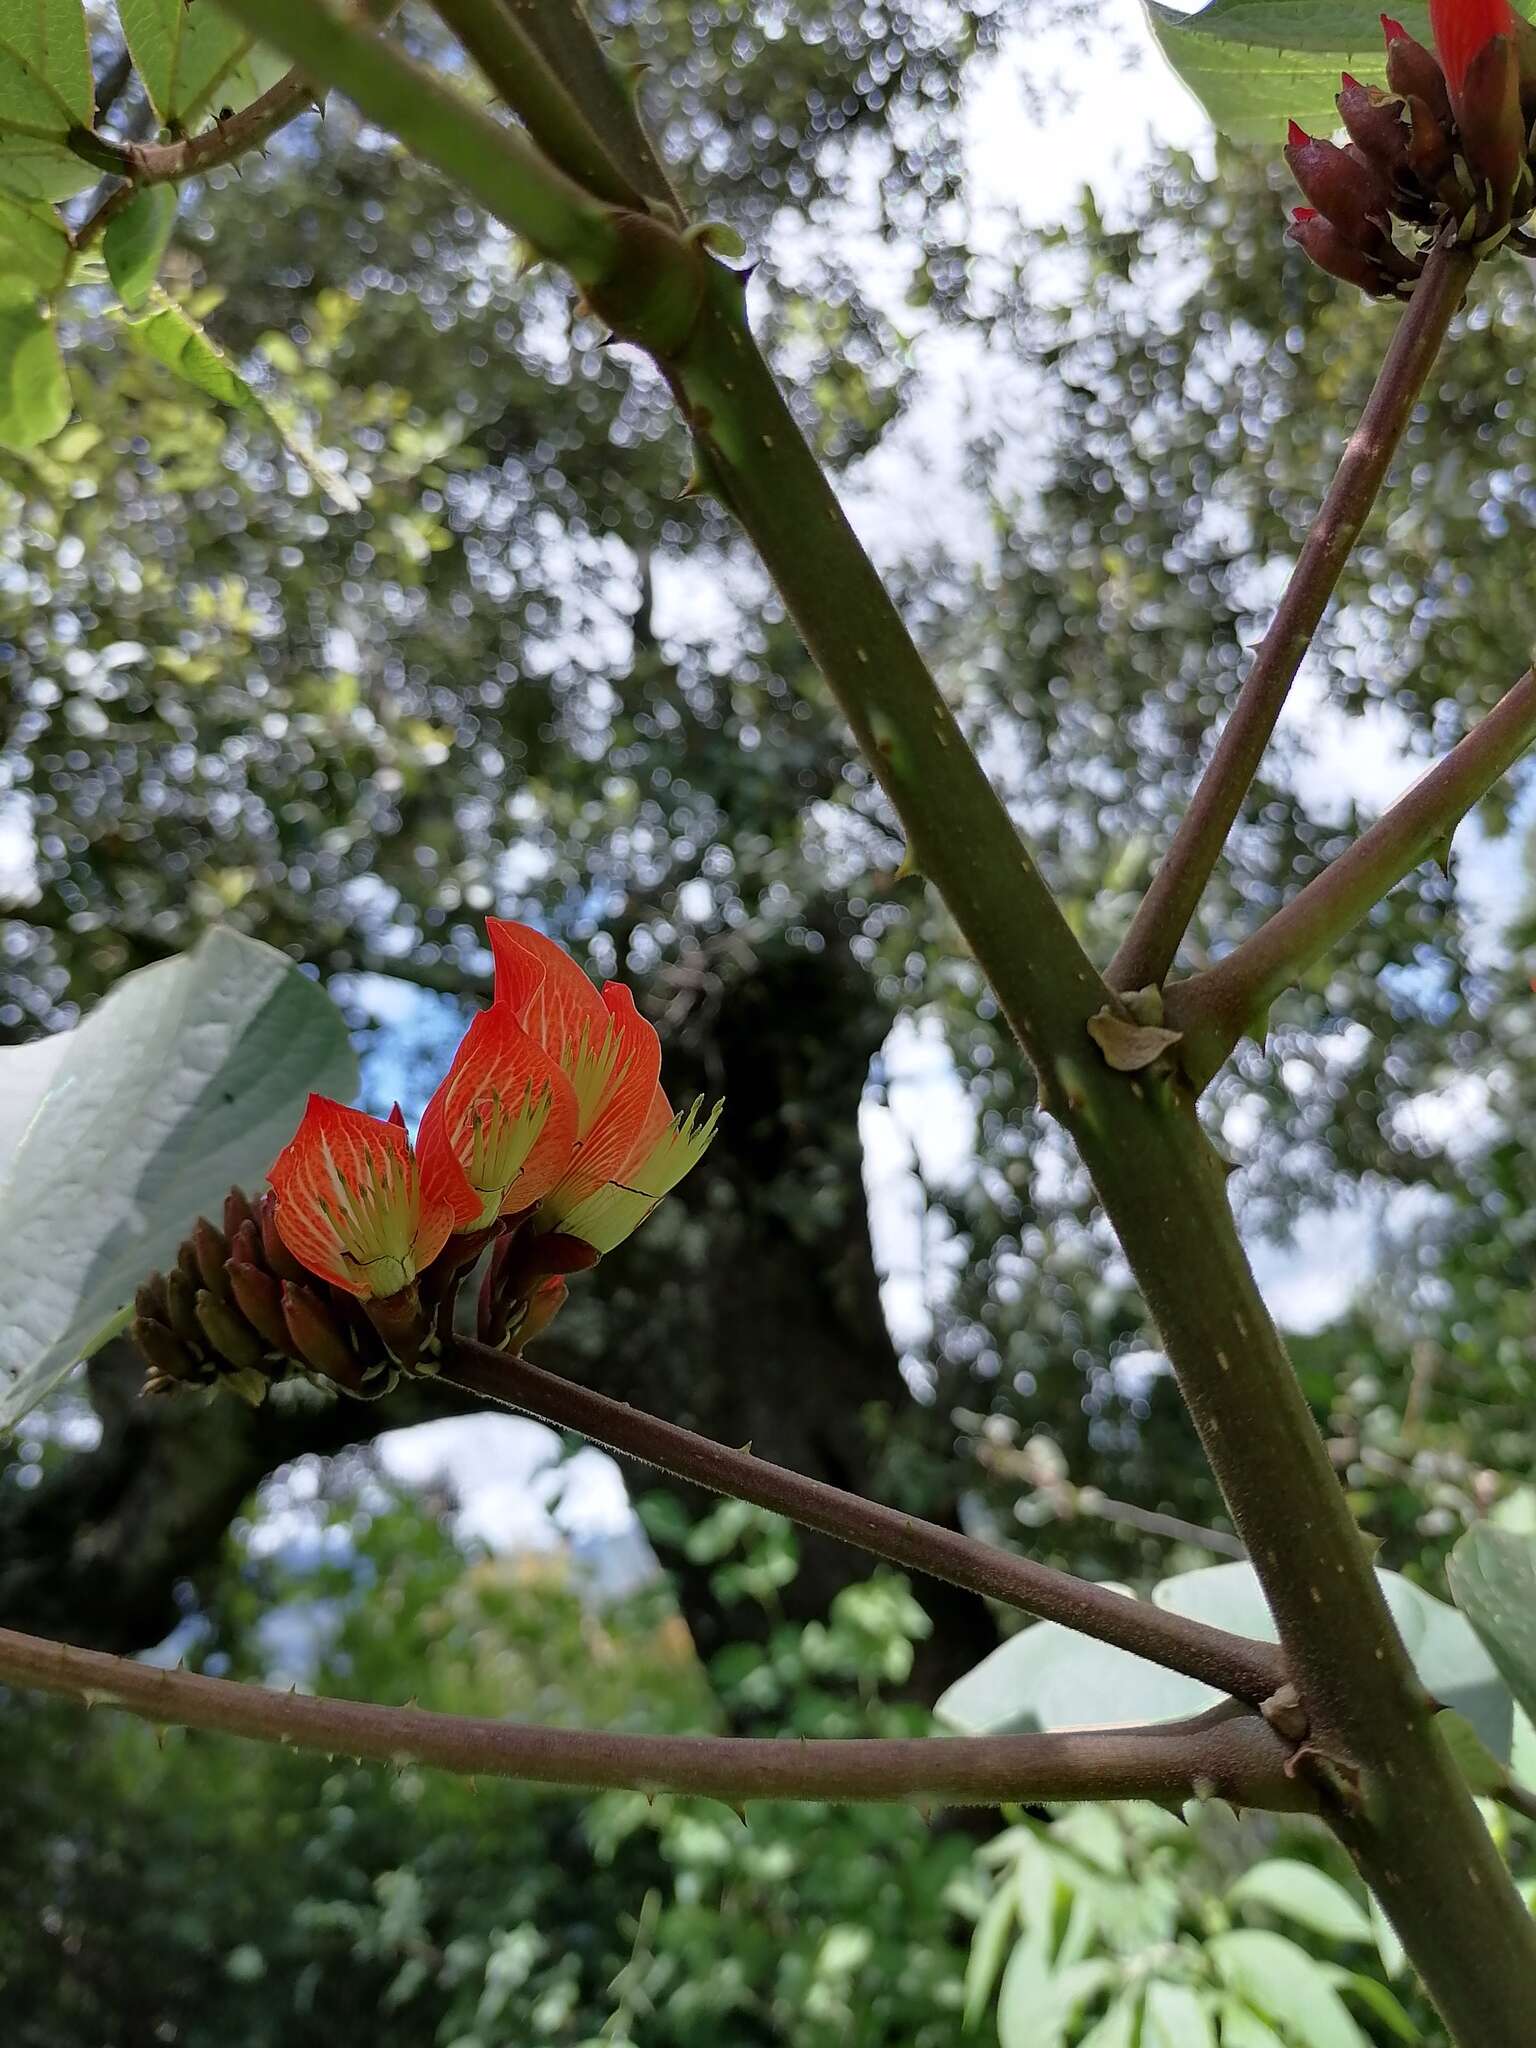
[{"x": 739, "y": 1811}]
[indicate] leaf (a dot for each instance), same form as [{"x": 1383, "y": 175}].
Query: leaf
[
  {"x": 189, "y": 1076},
  {"x": 34, "y": 390},
  {"x": 174, "y": 338},
  {"x": 1284, "y": 1984},
  {"x": 1117, "y": 2028},
  {"x": 987, "y": 1947},
  {"x": 1446, "y": 1654},
  {"x": 1176, "y": 2016},
  {"x": 135, "y": 241},
  {"x": 34, "y": 244},
  {"x": 1037, "y": 2005},
  {"x": 1492, "y": 1574},
  {"x": 1301, "y": 1892},
  {"x": 1484, "y": 1774},
  {"x": 1241, "y": 2027},
  {"x": 1394, "y": 1958},
  {"x": 1384, "y": 2004},
  {"x": 1048, "y": 1677},
  {"x": 194, "y": 58},
  {"x": 45, "y": 68}
]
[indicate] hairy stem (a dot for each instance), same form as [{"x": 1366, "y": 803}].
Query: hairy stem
[
  {"x": 1214, "y": 1009},
  {"x": 1222, "y": 1754},
  {"x": 1248, "y": 1670},
  {"x": 1162, "y": 918}
]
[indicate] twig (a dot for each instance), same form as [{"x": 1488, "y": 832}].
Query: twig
[
  {"x": 1146, "y": 953},
  {"x": 1247, "y": 1670},
  {"x": 1215, "y": 1008},
  {"x": 1228, "y": 1755}
]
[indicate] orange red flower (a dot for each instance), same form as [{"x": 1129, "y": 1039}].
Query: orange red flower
[{"x": 551, "y": 1119}]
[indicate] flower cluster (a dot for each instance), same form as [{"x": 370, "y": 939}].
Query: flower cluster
[
  {"x": 1444, "y": 150},
  {"x": 547, "y": 1143}
]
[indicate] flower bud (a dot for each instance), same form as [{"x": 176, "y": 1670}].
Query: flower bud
[
  {"x": 210, "y": 1251},
  {"x": 181, "y": 1306},
  {"x": 259, "y": 1299},
  {"x": 1377, "y": 123},
  {"x": 169, "y": 1357},
  {"x": 1328, "y": 249},
  {"x": 237, "y": 1210},
  {"x": 1413, "y": 70},
  {"x": 149, "y": 1302},
  {"x": 276, "y": 1254},
  {"x": 227, "y": 1332},
  {"x": 402, "y": 1321},
  {"x": 314, "y": 1335},
  {"x": 1492, "y": 131},
  {"x": 1429, "y": 147},
  {"x": 1346, "y": 189},
  {"x": 547, "y": 1302}
]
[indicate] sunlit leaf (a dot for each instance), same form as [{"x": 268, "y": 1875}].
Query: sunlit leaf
[
  {"x": 34, "y": 390},
  {"x": 1285, "y": 1985},
  {"x": 190, "y": 1075},
  {"x": 34, "y": 244},
  {"x": 45, "y": 68},
  {"x": 1305, "y": 1894}
]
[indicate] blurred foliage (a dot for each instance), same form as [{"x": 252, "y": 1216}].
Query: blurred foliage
[{"x": 199, "y": 1890}]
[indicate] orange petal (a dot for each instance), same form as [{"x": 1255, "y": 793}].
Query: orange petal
[
  {"x": 622, "y": 1110},
  {"x": 349, "y": 1201},
  {"x": 546, "y": 991},
  {"x": 499, "y": 1131}
]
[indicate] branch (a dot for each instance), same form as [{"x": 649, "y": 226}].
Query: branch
[
  {"x": 1237, "y": 1757},
  {"x": 1247, "y": 1670},
  {"x": 514, "y": 64},
  {"x": 495, "y": 163},
  {"x": 170, "y": 163},
  {"x": 1216, "y": 1008},
  {"x": 1162, "y": 918}
]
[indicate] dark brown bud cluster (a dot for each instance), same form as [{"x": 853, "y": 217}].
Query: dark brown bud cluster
[
  {"x": 238, "y": 1312},
  {"x": 1430, "y": 158}
]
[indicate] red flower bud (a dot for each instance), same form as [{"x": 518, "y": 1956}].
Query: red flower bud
[
  {"x": 1347, "y": 190},
  {"x": 1377, "y": 122},
  {"x": 1492, "y": 132},
  {"x": 259, "y": 1299},
  {"x": 1411, "y": 69},
  {"x": 1331, "y": 252}
]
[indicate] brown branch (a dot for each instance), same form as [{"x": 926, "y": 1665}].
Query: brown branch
[
  {"x": 1223, "y": 1754},
  {"x": 1147, "y": 951},
  {"x": 1248, "y": 1670},
  {"x": 1215, "y": 1008}
]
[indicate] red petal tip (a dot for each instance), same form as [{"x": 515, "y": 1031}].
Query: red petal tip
[
  {"x": 1346, "y": 78},
  {"x": 1296, "y": 136},
  {"x": 1393, "y": 30},
  {"x": 396, "y": 1117},
  {"x": 1303, "y": 213}
]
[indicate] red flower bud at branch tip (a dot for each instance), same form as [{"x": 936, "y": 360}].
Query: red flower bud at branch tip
[
  {"x": 1412, "y": 70},
  {"x": 1348, "y": 190}
]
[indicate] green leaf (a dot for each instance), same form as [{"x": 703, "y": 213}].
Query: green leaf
[
  {"x": 1394, "y": 1958},
  {"x": 174, "y": 338},
  {"x": 45, "y": 68},
  {"x": 1176, "y": 2016},
  {"x": 988, "y": 1945},
  {"x": 1300, "y": 1892},
  {"x": 1282, "y": 1982},
  {"x": 1048, "y": 1677},
  {"x": 34, "y": 244},
  {"x": 1241, "y": 2027},
  {"x": 135, "y": 241},
  {"x": 1447, "y": 1656},
  {"x": 1492, "y": 1574},
  {"x": 1117, "y": 2028},
  {"x": 191, "y": 1075},
  {"x": 1378, "y": 2000},
  {"x": 1482, "y": 1770},
  {"x": 34, "y": 390},
  {"x": 193, "y": 58},
  {"x": 1037, "y": 2005}
]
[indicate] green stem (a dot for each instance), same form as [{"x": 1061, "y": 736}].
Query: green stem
[
  {"x": 1216, "y": 1008},
  {"x": 494, "y": 34},
  {"x": 1222, "y": 1754},
  {"x": 1248, "y": 1670},
  {"x": 495, "y": 163},
  {"x": 1417, "y": 1835},
  {"x": 1163, "y": 916}
]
